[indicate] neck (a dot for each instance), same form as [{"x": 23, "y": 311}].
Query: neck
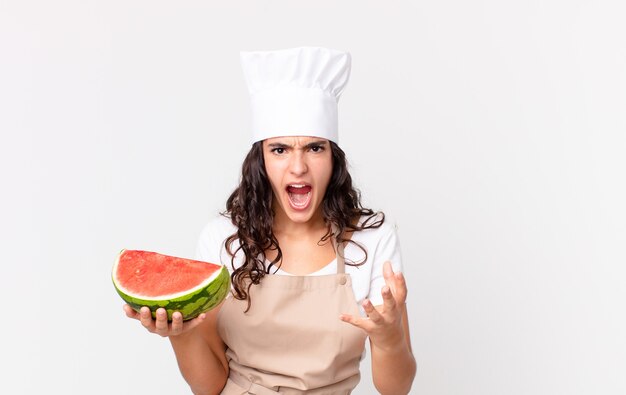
[{"x": 285, "y": 226}]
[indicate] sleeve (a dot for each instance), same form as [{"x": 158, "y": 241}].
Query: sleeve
[
  {"x": 210, "y": 243},
  {"x": 205, "y": 246},
  {"x": 387, "y": 249}
]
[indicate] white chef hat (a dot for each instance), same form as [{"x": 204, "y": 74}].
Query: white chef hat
[{"x": 294, "y": 92}]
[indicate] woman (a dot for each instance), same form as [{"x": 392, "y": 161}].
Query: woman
[{"x": 292, "y": 324}]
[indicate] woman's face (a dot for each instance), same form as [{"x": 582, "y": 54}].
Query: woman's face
[{"x": 299, "y": 170}]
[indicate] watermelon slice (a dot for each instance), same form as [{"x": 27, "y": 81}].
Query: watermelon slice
[{"x": 144, "y": 278}]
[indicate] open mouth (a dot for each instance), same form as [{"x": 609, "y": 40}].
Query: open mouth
[{"x": 299, "y": 195}]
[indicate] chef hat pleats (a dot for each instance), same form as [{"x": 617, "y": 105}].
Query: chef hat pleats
[{"x": 294, "y": 92}]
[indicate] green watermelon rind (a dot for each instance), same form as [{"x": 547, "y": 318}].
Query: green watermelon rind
[{"x": 189, "y": 305}]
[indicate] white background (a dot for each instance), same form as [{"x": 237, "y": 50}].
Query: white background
[{"x": 492, "y": 131}]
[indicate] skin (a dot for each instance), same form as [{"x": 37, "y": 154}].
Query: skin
[
  {"x": 387, "y": 325},
  {"x": 299, "y": 160},
  {"x": 199, "y": 349}
]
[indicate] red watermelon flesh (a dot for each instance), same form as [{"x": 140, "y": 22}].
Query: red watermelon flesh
[
  {"x": 144, "y": 278},
  {"x": 152, "y": 275}
]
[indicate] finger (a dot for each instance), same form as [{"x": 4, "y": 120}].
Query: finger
[
  {"x": 389, "y": 302},
  {"x": 161, "y": 321},
  {"x": 189, "y": 325},
  {"x": 177, "y": 323},
  {"x": 146, "y": 318},
  {"x": 130, "y": 313},
  {"x": 356, "y": 321},
  {"x": 387, "y": 271},
  {"x": 401, "y": 290},
  {"x": 372, "y": 313},
  {"x": 396, "y": 282},
  {"x": 389, "y": 275}
]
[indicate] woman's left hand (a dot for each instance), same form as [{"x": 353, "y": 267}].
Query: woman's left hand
[{"x": 383, "y": 323}]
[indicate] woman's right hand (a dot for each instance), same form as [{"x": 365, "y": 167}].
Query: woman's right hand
[{"x": 160, "y": 325}]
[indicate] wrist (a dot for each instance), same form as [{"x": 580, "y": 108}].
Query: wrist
[
  {"x": 182, "y": 338},
  {"x": 393, "y": 343}
]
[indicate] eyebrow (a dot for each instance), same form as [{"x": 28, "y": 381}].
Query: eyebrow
[
  {"x": 309, "y": 145},
  {"x": 315, "y": 143}
]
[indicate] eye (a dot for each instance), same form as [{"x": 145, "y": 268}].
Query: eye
[
  {"x": 317, "y": 148},
  {"x": 278, "y": 150}
]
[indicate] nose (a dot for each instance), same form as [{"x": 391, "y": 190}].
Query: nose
[{"x": 298, "y": 165}]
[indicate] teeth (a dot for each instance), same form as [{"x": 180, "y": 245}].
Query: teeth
[{"x": 297, "y": 185}]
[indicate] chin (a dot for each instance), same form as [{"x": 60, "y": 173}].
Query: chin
[{"x": 300, "y": 216}]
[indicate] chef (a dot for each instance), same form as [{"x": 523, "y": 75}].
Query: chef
[{"x": 314, "y": 273}]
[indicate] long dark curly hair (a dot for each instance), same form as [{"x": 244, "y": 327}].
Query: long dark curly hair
[{"x": 250, "y": 209}]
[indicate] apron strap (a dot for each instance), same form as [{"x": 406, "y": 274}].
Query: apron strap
[{"x": 341, "y": 262}]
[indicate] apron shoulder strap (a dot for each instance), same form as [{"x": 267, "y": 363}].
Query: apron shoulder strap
[{"x": 341, "y": 263}]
